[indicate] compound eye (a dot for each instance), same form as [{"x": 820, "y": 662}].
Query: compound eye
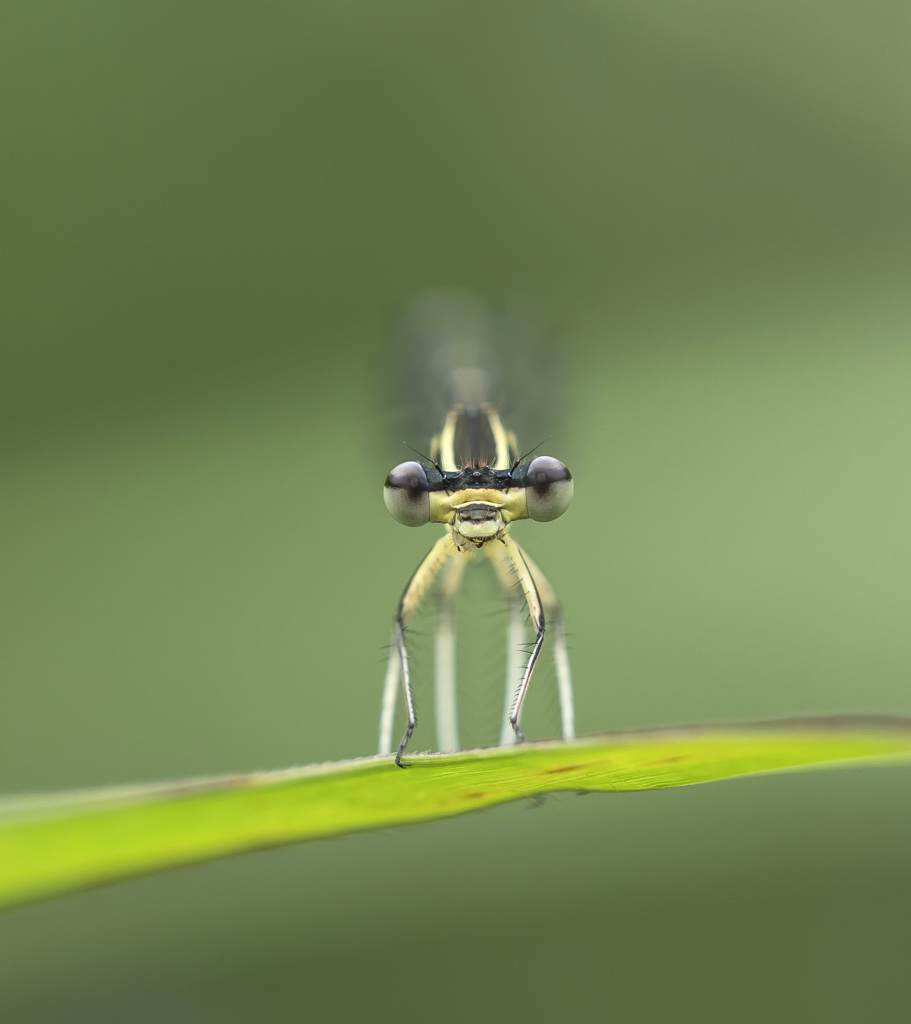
[
  {"x": 407, "y": 494},
  {"x": 548, "y": 489}
]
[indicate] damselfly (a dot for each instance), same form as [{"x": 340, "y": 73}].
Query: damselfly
[{"x": 475, "y": 483}]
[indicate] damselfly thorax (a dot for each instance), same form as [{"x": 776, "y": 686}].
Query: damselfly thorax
[{"x": 475, "y": 484}]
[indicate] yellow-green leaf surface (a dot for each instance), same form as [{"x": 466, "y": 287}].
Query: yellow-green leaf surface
[{"x": 50, "y": 845}]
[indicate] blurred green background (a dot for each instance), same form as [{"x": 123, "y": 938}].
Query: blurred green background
[{"x": 212, "y": 213}]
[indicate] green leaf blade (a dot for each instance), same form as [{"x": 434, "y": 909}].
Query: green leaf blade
[{"x": 65, "y": 842}]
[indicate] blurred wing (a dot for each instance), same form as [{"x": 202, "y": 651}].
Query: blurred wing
[{"x": 451, "y": 347}]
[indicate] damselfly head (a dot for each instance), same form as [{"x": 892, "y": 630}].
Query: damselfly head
[{"x": 541, "y": 490}]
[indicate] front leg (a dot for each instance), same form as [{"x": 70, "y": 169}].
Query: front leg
[
  {"x": 512, "y": 563},
  {"x": 423, "y": 577},
  {"x": 514, "y": 567}
]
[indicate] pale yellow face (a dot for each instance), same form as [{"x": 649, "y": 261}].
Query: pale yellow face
[{"x": 478, "y": 515}]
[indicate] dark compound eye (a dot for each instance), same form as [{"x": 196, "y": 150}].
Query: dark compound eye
[
  {"x": 548, "y": 489},
  {"x": 407, "y": 495}
]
